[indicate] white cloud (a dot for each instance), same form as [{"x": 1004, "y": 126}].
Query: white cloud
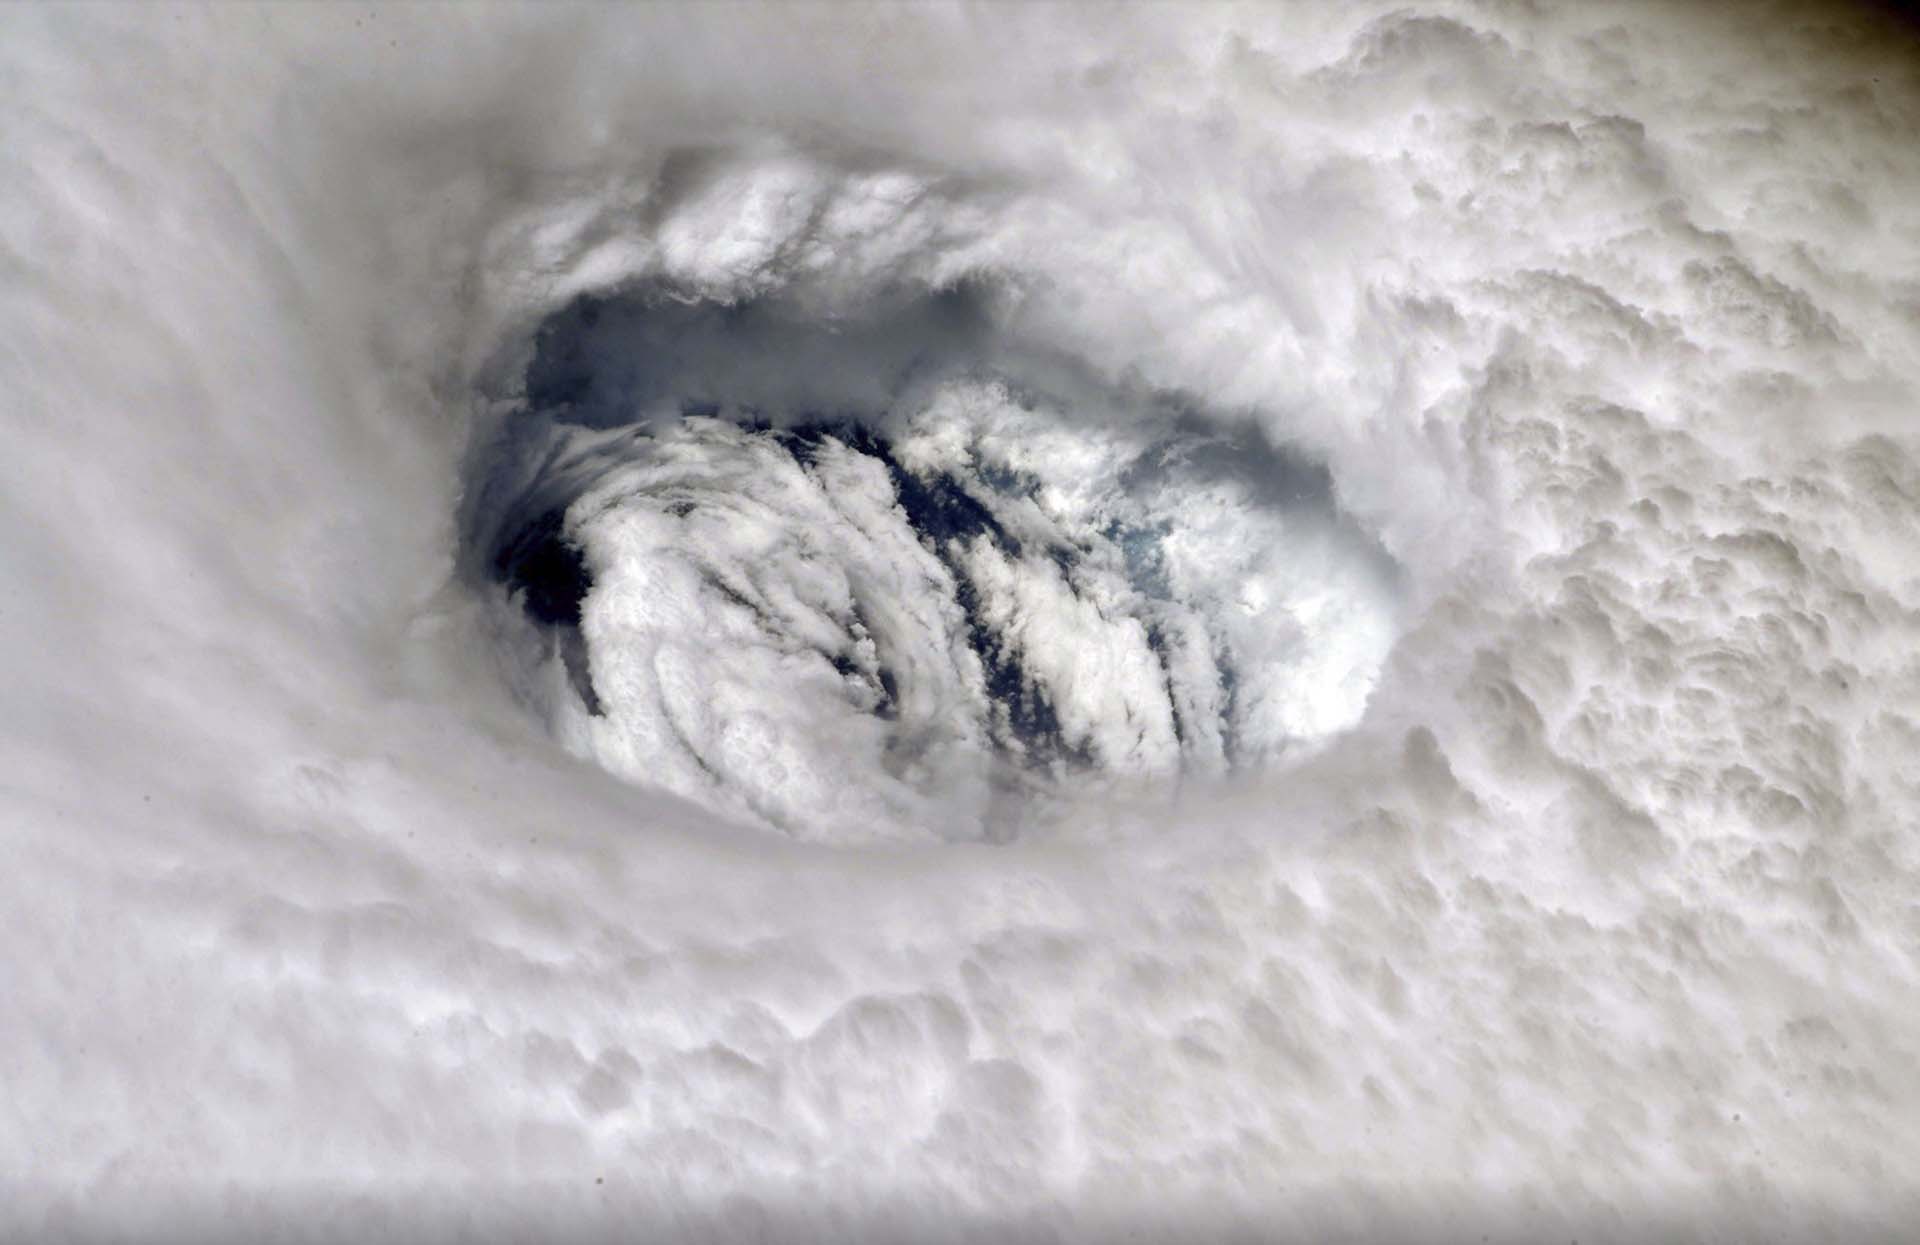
[{"x": 1603, "y": 324}]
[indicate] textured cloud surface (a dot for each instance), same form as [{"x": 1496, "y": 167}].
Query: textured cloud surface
[{"x": 960, "y": 623}]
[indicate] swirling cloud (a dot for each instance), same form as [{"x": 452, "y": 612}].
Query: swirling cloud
[{"x": 960, "y": 622}]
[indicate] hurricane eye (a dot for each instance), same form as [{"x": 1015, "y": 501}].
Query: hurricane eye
[{"x": 900, "y": 577}]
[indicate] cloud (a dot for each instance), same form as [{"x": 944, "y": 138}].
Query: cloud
[{"x": 1524, "y": 392}]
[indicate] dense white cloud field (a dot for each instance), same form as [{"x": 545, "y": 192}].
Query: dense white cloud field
[{"x": 1298, "y": 621}]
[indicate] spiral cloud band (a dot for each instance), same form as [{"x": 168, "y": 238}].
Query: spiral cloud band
[{"x": 1268, "y": 622}]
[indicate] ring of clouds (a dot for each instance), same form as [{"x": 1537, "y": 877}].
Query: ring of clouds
[{"x": 1580, "y": 893}]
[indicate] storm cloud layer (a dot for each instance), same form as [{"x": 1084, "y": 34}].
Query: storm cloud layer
[{"x": 960, "y": 623}]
